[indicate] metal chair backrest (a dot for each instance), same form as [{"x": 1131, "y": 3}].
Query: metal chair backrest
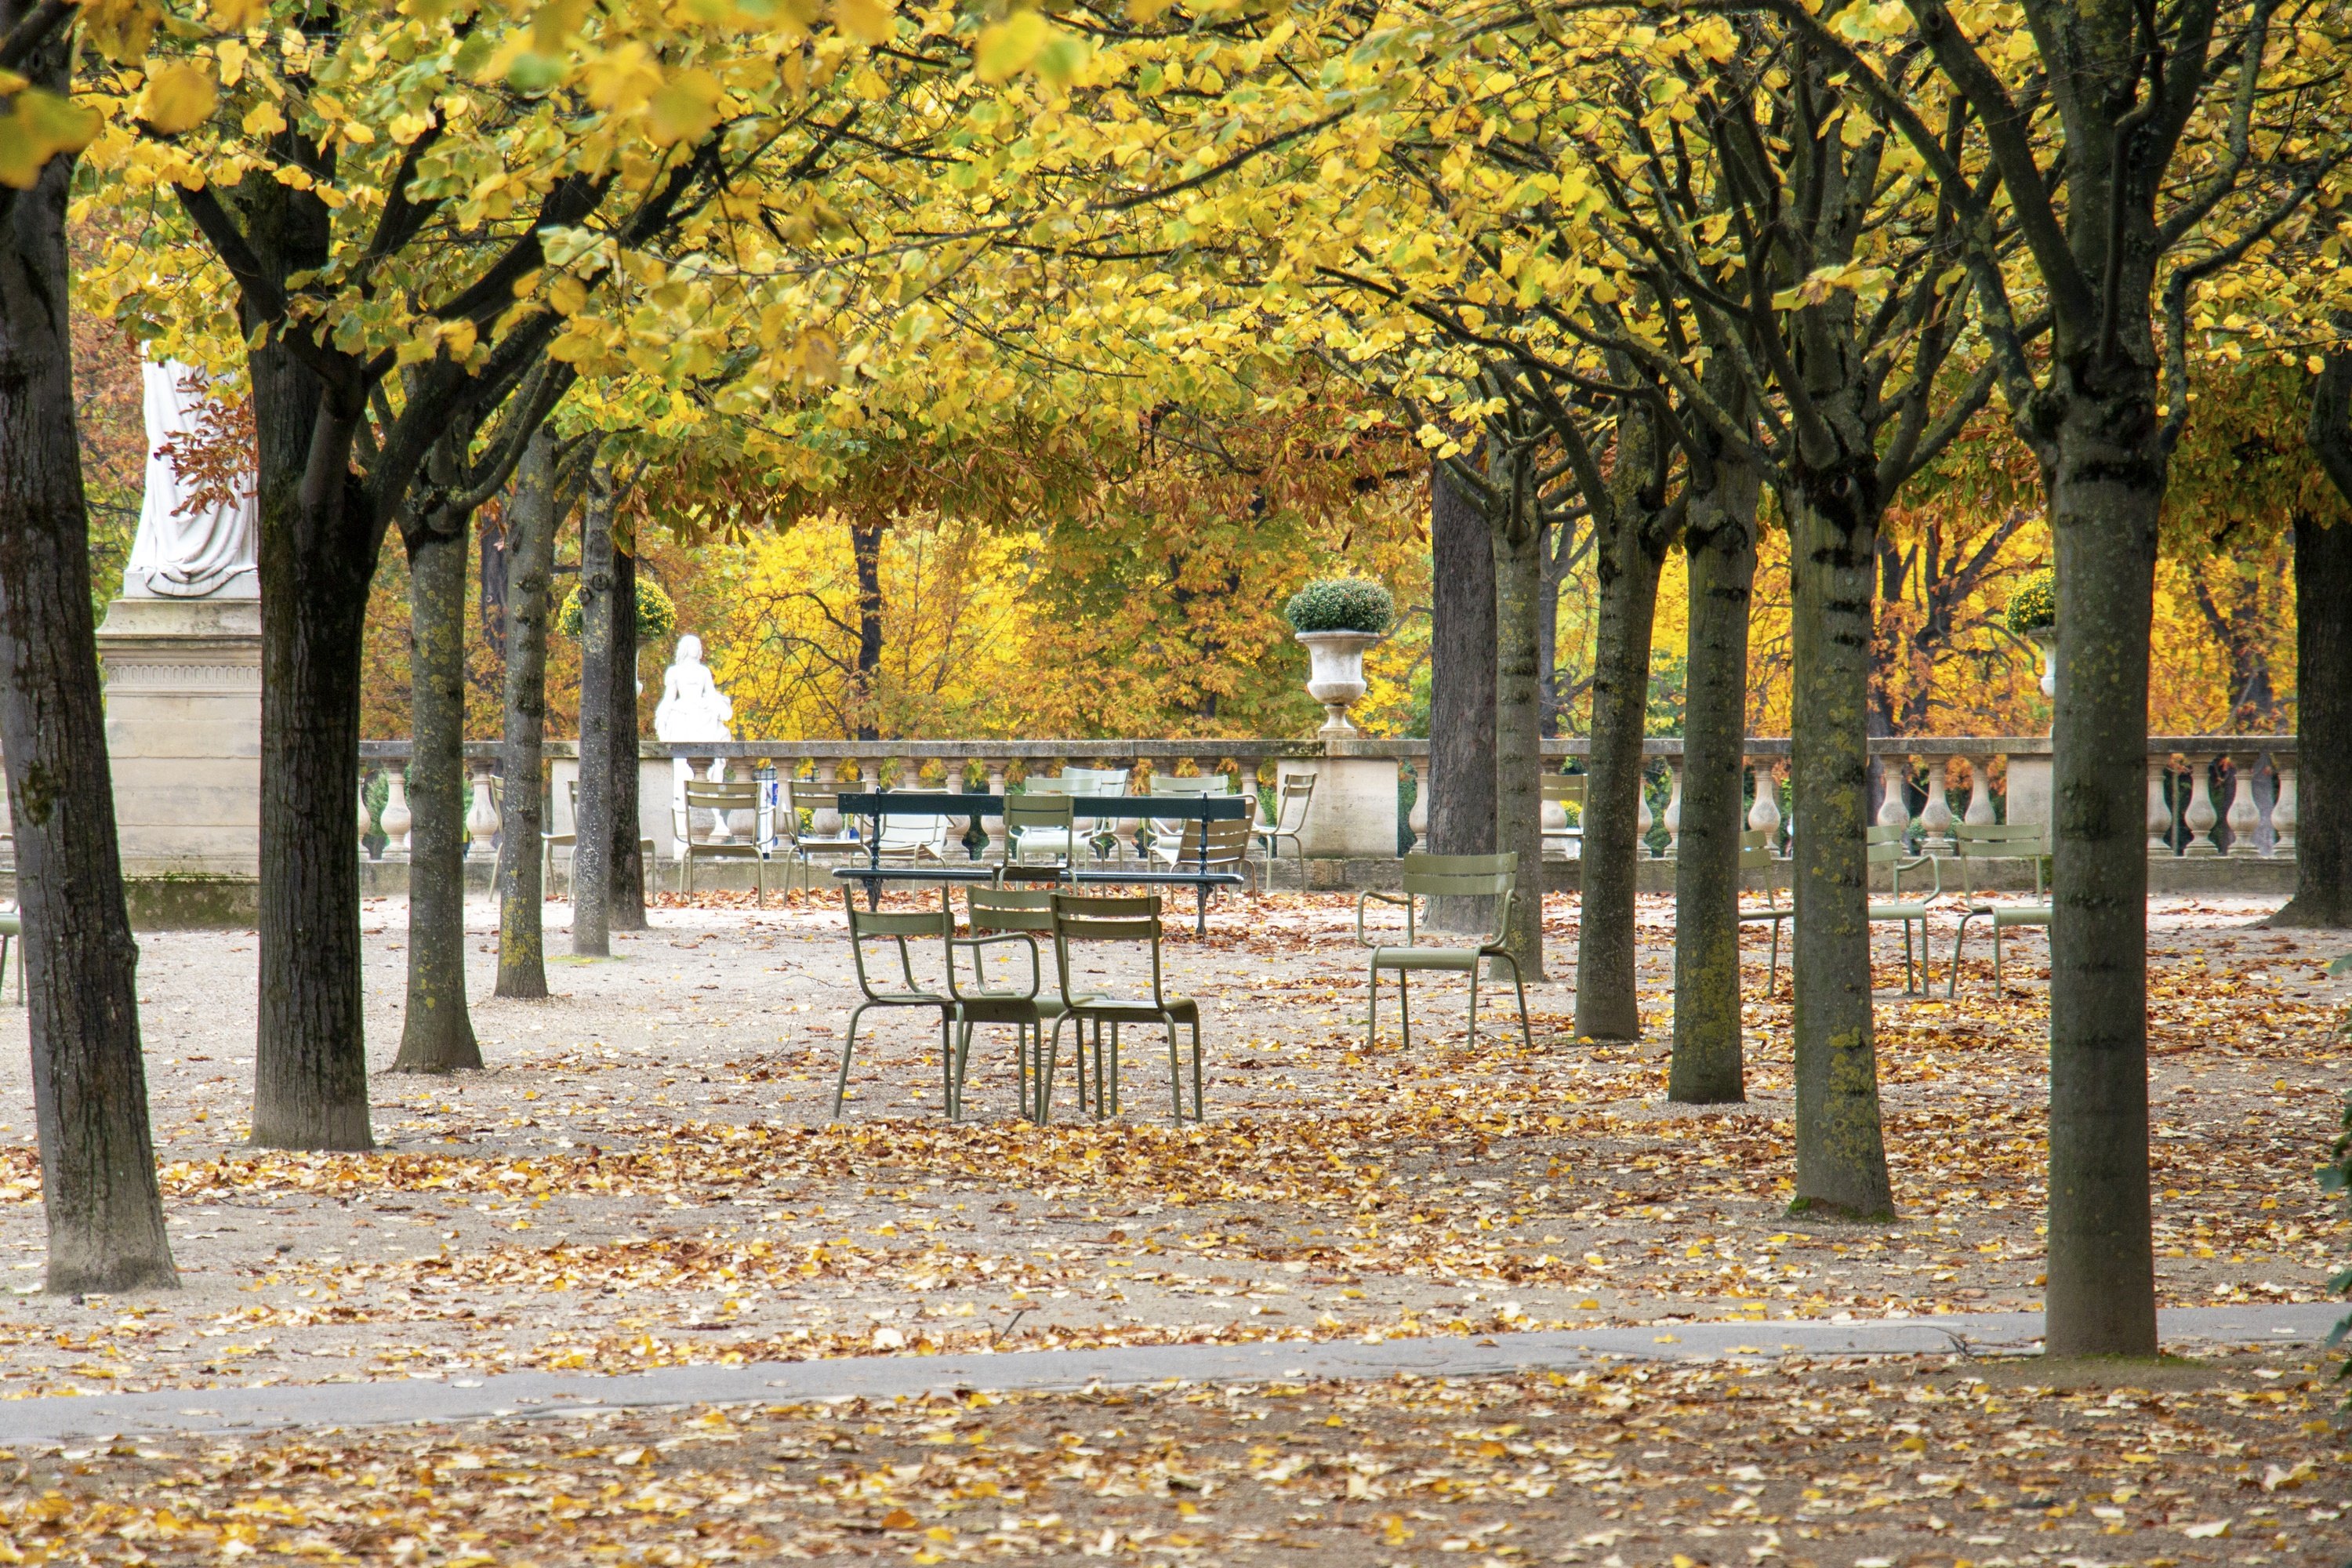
[
  {"x": 1077, "y": 918},
  {"x": 1199, "y": 784},
  {"x": 729, "y": 796},
  {"x": 1756, "y": 856},
  {"x": 1296, "y": 794},
  {"x": 1010, "y": 909},
  {"x": 1494, "y": 876},
  {"x": 1565, "y": 789},
  {"x": 808, "y": 796},
  {"x": 1216, "y": 845},
  {"x": 907, "y": 831},
  {"x": 1982, "y": 843},
  {"x": 896, "y": 926}
]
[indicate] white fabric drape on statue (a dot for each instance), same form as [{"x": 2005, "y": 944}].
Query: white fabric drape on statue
[{"x": 186, "y": 555}]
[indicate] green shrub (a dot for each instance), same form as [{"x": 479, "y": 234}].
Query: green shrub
[
  {"x": 2034, "y": 609},
  {"x": 1340, "y": 604},
  {"x": 657, "y": 616}
]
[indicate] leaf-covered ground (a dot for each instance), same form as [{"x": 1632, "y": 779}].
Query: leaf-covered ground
[
  {"x": 1937, "y": 1461},
  {"x": 645, "y": 1176}
]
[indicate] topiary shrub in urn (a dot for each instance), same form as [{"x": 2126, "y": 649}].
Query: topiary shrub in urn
[
  {"x": 2033, "y": 615},
  {"x": 1337, "y": 619}
]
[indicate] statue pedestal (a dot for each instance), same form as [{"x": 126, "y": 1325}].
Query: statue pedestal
[{"x": 183, "y": 738}]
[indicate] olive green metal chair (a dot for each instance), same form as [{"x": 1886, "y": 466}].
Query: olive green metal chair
[
  {"x": 926, "y": 925},
  {"x": 1757, "y": 859},
  {"x": 1294, "y": 798},
  {"x": 804, "y": 843},
  {"x": 1004, "y": 918},
  {"x": 1977, "y": 847},
  {"x": 1129, "y": 920},
  {"x": 1888, "y": 847},
  {"x": 718, "y": 841},
  {"x": 1443, "y": 877}
]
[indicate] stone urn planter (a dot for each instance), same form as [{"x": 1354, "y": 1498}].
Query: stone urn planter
[
  {"x": 1335, "y": 673},
  {"x": 2047, "y": 641}
]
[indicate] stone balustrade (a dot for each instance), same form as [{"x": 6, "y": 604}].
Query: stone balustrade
[{"x": 2229, "y": 796}]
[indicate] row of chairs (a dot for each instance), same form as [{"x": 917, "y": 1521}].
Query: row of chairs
[
  {"x": 1016, "y": 918},
  {"x": 1976, "y": 847}
]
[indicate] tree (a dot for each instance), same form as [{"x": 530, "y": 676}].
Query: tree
[
  {"x": 89, "y": 1089},
  {"x": 536, "y": 507},
  {"x": 2323, "y": 648},
  {"x": 2141, "y": 151},
  {"x": 1461, "y": 779}
]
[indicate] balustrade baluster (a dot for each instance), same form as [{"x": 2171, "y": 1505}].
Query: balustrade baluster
[
  {"x": 2159, "y": 808},
  {"x": 482, "y": 821},
  {"x": 397, "y": 818},
  {"x": 1643, "y": 818},
  {"x": 994, "y": 826},
  {"x": 826, "y": 823},
  {"x": 1893, "y": 803},
  {"x": 2283, "y": 809},
  {"x": 1936, "y": 815},
  {"x": 2245, "y": 817},
  {"x": 1979, "y": 812},
  {"x": 1764, "y": 814},
  {"x": 367, "y": 818},
  {"x": 1418, "y": 818},
  {"x": 1673, "y": 819},
  {"x": 2201, "y": 816}
]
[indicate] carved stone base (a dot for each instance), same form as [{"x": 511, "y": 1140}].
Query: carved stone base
[{"x": 183, "y": 735}]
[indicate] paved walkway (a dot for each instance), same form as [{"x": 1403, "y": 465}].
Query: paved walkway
[{"x": 60, "y": 1420}]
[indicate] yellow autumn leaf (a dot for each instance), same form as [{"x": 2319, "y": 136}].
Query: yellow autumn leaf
[
  {"x": 567, "y": 295},
  {"x": 178, "y": 98},
  {"x": 1006, "y": 47},
  {"x": 868, "y": 21},
  {"x": 39, "y": 125},
  {"x": 264, "y": 119},
  {"x": 236, "y": 16},
  {"x": 684, "y": 108}
]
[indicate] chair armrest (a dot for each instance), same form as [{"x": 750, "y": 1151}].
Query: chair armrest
[{"x": 1364, "y": 897}]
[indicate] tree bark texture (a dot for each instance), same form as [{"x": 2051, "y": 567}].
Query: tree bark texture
[
  {"x": 625, "y": 906},
  {"x": 529, "y": 560},
  {"x": 1841, "y": 1150},
  {"x": 1518, "y": 722},
  {"x": 1628, "y": 551},
  {"x": 99, "y": 1186},
  {"x": 591, "y": 844},
  {"x": 2323, "y": 652},
  {"x": 437, "y": 1031},
  {"x": 865, "y": 546},
  {"x": 1708, "y": 1065},
  {"x": 2105, "y": 490},
  {"x": 1461, "y": 780}
]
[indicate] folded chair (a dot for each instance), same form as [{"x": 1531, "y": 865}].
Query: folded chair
[{"x": 1444, "y": 876}]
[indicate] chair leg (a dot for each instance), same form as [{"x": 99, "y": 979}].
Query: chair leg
[
  {"x": 849, "y": 1045},
  {"x": 947, "y": 1067},
  {"x": 1404, "y": 1002},
  {"x": 1996, "y": 955},
  {"x": 1952, "y": 976},
  {"x": 1372, "y": 1008},
  {"x": 1526, "y": 1035},
  {"x": 1176, "y": 1074},
  {"x": 1474, "y": 1006},
  {"x": 1772, "y": 974},
  {"x": 1051, "y": 1058},
  {"x": 1200, "y": 1100}
]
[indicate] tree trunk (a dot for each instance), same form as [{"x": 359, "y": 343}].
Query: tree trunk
[
  {"x": 1461, "y": 779},
  {"x": 529, "y": 559},
  {"x": 1709, "y": 1065},
  {"x": 310, "y": 1083},
  {"x": 591, "y": 844},
  {"x": 866, "y": 545},
  {"x": 1841, "y": 1151},
  {"x": 1626, "y": 557},
  {"x": 625, "y": 906},
  {"x": 2105, "y": 492},
  {"x": 437, "y": 1032},
  {"x": 99, "y": 1186},
  {"x": 1518, "y": 721},
  {"x": 2323, "y": 653}
]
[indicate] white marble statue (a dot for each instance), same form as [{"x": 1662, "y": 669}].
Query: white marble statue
[
  {"x": 204, "y": 553},
  {"x": 692, "y": 709}
]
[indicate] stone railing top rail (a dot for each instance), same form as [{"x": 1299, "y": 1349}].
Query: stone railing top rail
[{"x": 1921, "y": 747}]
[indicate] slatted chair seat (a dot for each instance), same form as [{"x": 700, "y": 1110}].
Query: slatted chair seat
[{"x": 1443, "y": 877}]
